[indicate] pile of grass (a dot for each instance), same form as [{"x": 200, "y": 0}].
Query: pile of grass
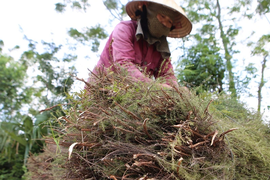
[{"x": 118, "y": 129}]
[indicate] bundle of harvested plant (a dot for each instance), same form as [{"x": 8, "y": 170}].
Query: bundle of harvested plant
[{"x": 118, "y": 129}]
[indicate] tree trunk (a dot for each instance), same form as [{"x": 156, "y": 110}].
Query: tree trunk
[
  {"x": 228, "y": 57},
  {"x": 261, "y": 84}
]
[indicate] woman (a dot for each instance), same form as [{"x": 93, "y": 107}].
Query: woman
[{"x": 140, "y": 44}]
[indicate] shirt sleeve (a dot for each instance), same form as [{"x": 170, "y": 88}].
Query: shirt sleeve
[{"x": 124, "y": 52}]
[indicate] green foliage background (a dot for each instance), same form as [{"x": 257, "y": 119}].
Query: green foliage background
[{"x": 207, "y": 65}]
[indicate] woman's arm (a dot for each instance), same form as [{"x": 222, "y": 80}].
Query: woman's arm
[{"x": 124, "y": 52}]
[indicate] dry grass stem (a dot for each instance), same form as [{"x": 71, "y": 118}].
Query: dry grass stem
[{"x": 119, "y": 129}]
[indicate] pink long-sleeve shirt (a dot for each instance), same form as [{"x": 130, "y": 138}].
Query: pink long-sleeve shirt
[{"x": 141, "y": 60}]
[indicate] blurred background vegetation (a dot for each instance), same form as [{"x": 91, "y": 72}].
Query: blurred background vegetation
[{"x": 206, "y": 62}]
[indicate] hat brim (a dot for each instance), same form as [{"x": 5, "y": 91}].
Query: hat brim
[{"x": 181, "y": 23}]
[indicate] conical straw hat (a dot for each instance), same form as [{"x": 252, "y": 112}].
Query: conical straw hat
[{"x": 181, "y": 23}]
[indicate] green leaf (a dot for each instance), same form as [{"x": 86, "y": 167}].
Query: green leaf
[
  {"x": 28, "y": 124},
  {"x": 59, "y": 7},
  {"x": 42, "y": 118},
  {"x": 77, "y": 5},
  {"x": 1, "y": 45},
  {"x": 110, "y": 4},
  {"x": 16, "y": 137}
]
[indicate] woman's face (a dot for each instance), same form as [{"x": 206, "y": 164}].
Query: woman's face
[{"x": 165, "y": 20}]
